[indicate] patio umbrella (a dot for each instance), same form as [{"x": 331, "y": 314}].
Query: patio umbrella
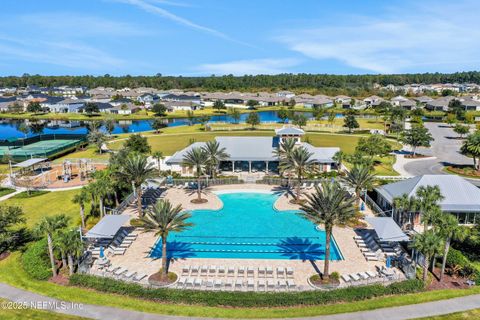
[
  {"x": 388, "y": 262},
  {"x": 102, "y": 253},
  {"x": 362, "y": 206}
]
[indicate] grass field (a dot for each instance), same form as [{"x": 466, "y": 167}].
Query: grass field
[
  {"x": 31, "y": 314},
  {"x": 48, "y": 204},
  {"x": 472, "y": 314},
  {"x": 12, "y": 273}
]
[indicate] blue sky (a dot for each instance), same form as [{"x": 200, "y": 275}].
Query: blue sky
[{"x": 203, "y": 37}]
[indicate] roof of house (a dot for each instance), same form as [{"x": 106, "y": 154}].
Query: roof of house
[
  {"x": 289, "y": 131},
  {"x": 458, "y": 193},
  {"x": 254, "y": 149}
]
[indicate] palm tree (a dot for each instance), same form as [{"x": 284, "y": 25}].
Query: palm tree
[
  {"x": 196, "y": 158},
  {"x": 284, "y": 151},
  {"x": 360, "y": 178},
  {"x": 471, "y": 146},
  {"x": 339, "y": 157},
  {"x": 402, "y": 205},
  {"x": 60, "y": 245},
  {"x": 74, "y": 248},
  {"x": 215, "y": 155},
  {"x": 103, "y": 187},
  {"x": 300, "y": 163},
  {"x": 450, "y": 230},
  {"x": 81, "y": 198},
  {"x": 427, "y": 198},
  {"x": 137, "y": 169},
  {"x": 330, "y": 205},
  {"x": 163, "y": 218},
  {"x": 428, "y": 243},
  {"x": 158, "y": 155},
  {"x": 47, "y": 227}
]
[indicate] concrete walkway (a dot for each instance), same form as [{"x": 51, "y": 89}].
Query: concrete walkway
[
  {"x": 101, "y": 312},
  {"x": 8, "y": 196}
]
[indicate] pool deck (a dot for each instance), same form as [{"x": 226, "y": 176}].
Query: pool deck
[{"x": 136, "y": 257}]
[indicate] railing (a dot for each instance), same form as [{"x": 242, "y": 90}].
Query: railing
[
  {"x": 204, "y": 181},
  {"x": 374, "y": 206},
  {"x": 391, "y": 177},
  {"x": 125, "y": 203}
]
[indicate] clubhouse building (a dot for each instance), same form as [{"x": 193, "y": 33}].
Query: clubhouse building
[
  {"x": 460, "y": 198},
  {"x": 257, "y": 154}
]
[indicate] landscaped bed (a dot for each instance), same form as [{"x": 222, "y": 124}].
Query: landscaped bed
[{"x": 466, "y": 171}]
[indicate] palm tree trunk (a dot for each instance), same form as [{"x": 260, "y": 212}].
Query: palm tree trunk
[
  {"x": 164, "y": 258},
  {"x": 139, "y": 201},
  {"x": 328, "y": 237},
  {"x": 115, "y": 194},
  {"x": 70, "y": 264},
  {"x": 425, "y": 269},
  {"x": 64, "y": 260},
  {"x": 102, "y": 210},
  {"x": 50, "y": 253},
  {"x": 199, "y": 189},
  {"x": 414, "y": 149},
  {"x": 444, "y": 261},
  {"x": 82, "y": 215}
]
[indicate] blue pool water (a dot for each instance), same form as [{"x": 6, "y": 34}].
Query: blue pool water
[{"x": 248, "y": 227}]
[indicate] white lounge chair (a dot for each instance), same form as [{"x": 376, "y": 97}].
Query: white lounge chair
[
  {"x": 240, "y": 271},
  {"x": 185, "y": 270},
  {"x": 212, "y": 270},
  {"x": 139, "y": 277},
  {"x": 112, "y": 269},
  {"x": 354, "y": 276},
  {"x": 204, "y": 270},
  {"x": 218, "y": 284},
  {"x": 231, "y": 271},
  {"x": 346, "y": 278},
  {"x": 269, "y": 272},
  {"x": 129, "y": 274},
  {"x": 281, "y": 272},
  {"x": 209, "y": 284},
  {"x": 250, "y": 284},
  {"x": 181, "y": 282},
  {"x": 363, "y": 275},
  {"x": 289, "y": 272},
  {"x": 372, "y": 274},
  {"x": 194, "y": 270},
  {"x": 282, "y": 284},
  {"x": 250, "y": 272},
  {"x": 120, "y": 271},
  {"x": 189, "y": 283},
  {"x": 221, "y": 271},
  {"x": 229, "y": 284},
  {"x": 291, "y": 285},
  {"x": 261, "y": 284},
  {"x": 270, "y": 284},
  {"x": 238, "y": 284},
  {"x": 198, "y": 283}
]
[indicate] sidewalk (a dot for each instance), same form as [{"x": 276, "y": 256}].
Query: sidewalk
[{"x": 101, "y": 312}]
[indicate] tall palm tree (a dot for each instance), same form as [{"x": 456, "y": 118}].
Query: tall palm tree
[
  {"x": 427, "y": 199},
  {"x": 330, "y": 205},
  {"x": 47, "y": 227},
  {"x": 60, "y": 245},
  {"x": 339, "y": 157},
  {"x": 471, "y": 146},
  {"x": 450, "y": 230},
  {"x": 360, "y": 178},
  {"x": 74, "y": 248},
  {"x": 136, "y": 169},
  {"x": 103, "y": 187},
  {"x": 283, "y": 152},
  {"x": 215, "y": 155},
  {"x": 428, "y": 243},
  {"x": 197, "y": 159},
  {"x": 158, "y": 155},
  {"x": 403, "y": 205},
  {"x": 300, "y": 162},
  {"x": 81, "y": 198},
  {"x": 163, "y": 218}
]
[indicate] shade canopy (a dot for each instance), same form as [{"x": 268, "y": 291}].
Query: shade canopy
[
  {"x": 29, "y": 162},
  {"x": 108, "y": 227},
  {"x": 387, "y": 229}
]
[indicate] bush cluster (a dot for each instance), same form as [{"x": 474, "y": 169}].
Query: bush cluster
[
  {"x": 244, "y": 299},
  {"x": 35, "y": 260},
  {"x": 455, "y": 258}
]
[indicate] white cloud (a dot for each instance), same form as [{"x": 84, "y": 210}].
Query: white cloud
[
  {"x": 73, "y": 55},
  {"x": 250, "y": 67},
  {"x": 75, "y": 25},
  {"x": 426, "y": 37},
  {"x": 150, "y": 8}
]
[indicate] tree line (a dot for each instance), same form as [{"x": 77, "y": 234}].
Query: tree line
[{"x": 355, "y": 85}]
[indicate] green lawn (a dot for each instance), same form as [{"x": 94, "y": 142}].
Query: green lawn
[
  {"x": 12, "y": 273},
  {"x": 472, "y": 314},
  {"x": 48, "y": 204},
  {"x": 32, "y": 314},
  {"x": 5, "y": 191}
]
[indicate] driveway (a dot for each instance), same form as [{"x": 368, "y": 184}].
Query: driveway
[{"x": 446, "y": 150}]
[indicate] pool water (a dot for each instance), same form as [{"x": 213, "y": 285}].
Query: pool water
[{"x": 248, "y": 227}]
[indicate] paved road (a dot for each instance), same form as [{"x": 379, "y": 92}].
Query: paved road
[
  {"x": 110, "y": 313},
  {"x": 445, "y": 148}
]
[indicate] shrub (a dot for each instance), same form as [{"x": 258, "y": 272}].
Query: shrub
[
  {"x": 35, "y": 260},
  {"x": 244, "y": 299},
  {"x": 457, "y": 261},
  {"x": 33, "y": 193},
  {"x": 335, "y": 276}
]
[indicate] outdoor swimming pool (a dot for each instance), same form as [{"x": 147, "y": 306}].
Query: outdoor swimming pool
[{"x": 248, "y": 227}]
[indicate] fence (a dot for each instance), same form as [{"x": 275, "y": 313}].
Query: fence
[
  {"x": 125, "y": 203},
  {"x": 374, "y": 206},
  {"x": 205, "y": 181}
]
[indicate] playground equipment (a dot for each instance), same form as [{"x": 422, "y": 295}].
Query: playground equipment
[{"x": 67, "y": 171}]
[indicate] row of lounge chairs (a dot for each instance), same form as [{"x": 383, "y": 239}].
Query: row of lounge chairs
[
  {"x": 381, "y": 274},
  {"x": 373, "y": 249},
  {"x": 237, "y": 284},
  {"x": 186, "y": 185},
  {"x": 355, "y": 277},
  {"x": 151, "y": 195},
  {"x": 122, "y": 273},
  {"x": 249, "y": 272},
  {"x": 117, "y": 246}
]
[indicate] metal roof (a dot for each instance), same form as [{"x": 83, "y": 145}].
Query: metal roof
[
  {"x": 29, "y": 162},
  {"x": 289, "y": 131},
  {"x": 459, "y": 194},
  {"x": 107, "y": 227},
  {"x": 387, "y": 229},
  {"x": 254, "y": 149}
]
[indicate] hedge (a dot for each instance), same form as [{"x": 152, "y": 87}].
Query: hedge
[
  {"x": 35, "y": 260},
  {"x": 457, "y": 258},
  {"x": 244, "y": 299}
]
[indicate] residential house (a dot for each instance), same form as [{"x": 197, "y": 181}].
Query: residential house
[{"x": 181, "y": 105}]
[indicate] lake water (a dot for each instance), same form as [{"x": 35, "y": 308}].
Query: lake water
[{"x": 9, "y": 128}]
